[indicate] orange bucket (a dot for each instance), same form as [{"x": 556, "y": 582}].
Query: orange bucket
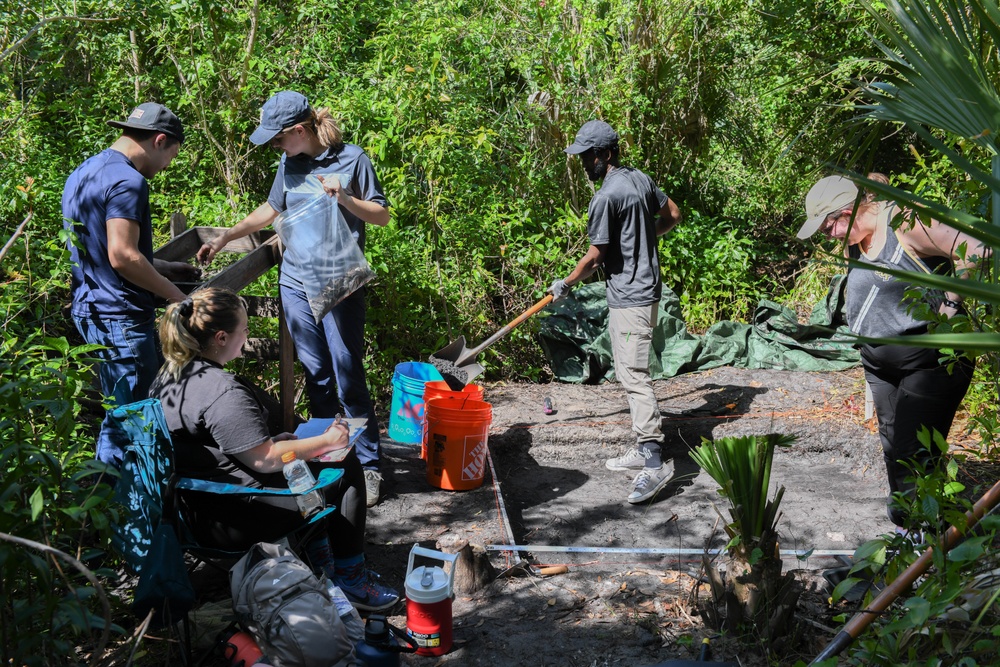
[
  {"x": 455, "y": 437},
  {"x": 440, "y": 389}
]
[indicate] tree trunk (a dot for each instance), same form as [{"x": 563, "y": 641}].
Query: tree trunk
[{"x": 754, "y": 596}]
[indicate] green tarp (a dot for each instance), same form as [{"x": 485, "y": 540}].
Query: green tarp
[{"x": 575, "y": 339}]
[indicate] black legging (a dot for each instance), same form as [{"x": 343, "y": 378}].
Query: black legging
[
  {"x": 235, "y": 523},
  {"x": 911, "y": 389}
]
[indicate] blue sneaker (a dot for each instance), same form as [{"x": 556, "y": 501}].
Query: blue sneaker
[{"x": 369, "y": 594}]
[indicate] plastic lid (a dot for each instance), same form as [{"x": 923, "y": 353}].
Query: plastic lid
[
  {"x": 428, "y": 585},
  {"x": 376, "y": 630},
  {"x": 288, "y": 457}
]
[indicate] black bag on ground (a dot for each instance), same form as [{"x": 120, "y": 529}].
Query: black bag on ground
[{"x": 288, "y": 610}]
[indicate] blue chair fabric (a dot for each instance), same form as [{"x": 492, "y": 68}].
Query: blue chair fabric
[{"x": 146, "y": 489}]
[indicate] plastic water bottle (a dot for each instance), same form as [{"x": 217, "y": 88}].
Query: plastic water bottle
[
  {"x": 348, "y": 614},
  {"x": 300, "y": 479}
]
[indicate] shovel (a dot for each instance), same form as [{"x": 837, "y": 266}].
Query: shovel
[{"x": 455, "y": 360}]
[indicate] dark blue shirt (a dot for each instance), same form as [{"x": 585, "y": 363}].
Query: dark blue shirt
[
  {"x": 103, "y": 187},
  {"x": 296, "y": 182}
]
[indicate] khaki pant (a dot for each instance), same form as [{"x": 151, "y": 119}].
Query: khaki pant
[{"x": 631, "y": 331}]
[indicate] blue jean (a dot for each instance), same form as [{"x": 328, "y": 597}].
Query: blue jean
[
  {"x": 127, "y": 370},
  {"x": 332, "y": 354}
]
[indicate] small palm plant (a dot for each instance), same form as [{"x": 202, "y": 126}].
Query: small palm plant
[{"x": 754, "y": 592}]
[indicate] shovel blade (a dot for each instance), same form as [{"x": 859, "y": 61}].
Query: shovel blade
[
  {"x": 472, "y": 370},
  {"x": 453, "y": 351}
]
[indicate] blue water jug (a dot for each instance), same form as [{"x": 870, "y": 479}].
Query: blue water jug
[{"x": 378, "y": 648}]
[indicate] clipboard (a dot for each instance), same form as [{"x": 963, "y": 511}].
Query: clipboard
[{"x": 317, "y": 425}]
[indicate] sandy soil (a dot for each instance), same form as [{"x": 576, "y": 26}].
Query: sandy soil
[{"x": 625, "y": 600}]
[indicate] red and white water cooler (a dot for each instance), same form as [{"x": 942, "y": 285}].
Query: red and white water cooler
[{"x": 428, "y": 601}]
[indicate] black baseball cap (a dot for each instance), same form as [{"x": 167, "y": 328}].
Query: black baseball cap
[
  {"x": 593, "y": 134},
  {"x": 152, "y": 116}
]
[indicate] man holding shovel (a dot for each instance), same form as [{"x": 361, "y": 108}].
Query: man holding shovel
[{"x": 624, "y": 220}]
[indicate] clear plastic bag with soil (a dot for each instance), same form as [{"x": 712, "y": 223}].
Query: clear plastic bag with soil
[{"x": 323, "y": 250}]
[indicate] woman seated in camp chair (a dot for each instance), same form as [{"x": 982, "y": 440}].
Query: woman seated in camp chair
[{"x": 219, "y": 432}]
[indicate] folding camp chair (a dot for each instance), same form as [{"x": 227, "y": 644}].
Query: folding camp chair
[{"x": 146, "y": 491}]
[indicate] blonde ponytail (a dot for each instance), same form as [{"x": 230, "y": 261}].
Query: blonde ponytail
[
  {"x": 327, "y": 130},
  {"x": 188, "y": 326}
]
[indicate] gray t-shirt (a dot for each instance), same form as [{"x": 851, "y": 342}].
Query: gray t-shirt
[
  {"x": 211, "y": 416},
  {"x": 622, "y": 215}
]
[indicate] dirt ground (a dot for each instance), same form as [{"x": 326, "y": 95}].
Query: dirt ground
[
  {"x": 626, "y": 599},
  {"x": 634, "y": 575}
]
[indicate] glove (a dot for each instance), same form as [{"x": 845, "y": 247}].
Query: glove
[{"x": 558, "y": 289}]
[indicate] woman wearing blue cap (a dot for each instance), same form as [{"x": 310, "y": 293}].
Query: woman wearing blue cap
[
  {"x": 911, "y": 387},
  {"x": 315, "y": 160}
]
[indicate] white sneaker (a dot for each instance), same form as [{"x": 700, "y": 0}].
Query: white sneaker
[
  {"x": 650, "y": 481},
  {"x": 373, "y": 486},
  {"x": 632, "y": 459}
]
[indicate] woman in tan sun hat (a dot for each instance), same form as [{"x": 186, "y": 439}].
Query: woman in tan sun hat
[{"x": 910, "y": 386}]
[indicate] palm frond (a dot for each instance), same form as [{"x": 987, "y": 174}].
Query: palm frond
[
  {"x": 938, "y": 79},
  {"x": 966, "y": 342},
  {"x": 968, "y": 289},
  {"x": 741, "y": 466}
]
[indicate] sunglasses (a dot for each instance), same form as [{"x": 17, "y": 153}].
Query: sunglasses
[{"x": 830, "y": 220}]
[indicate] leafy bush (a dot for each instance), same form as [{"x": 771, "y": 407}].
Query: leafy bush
[
  {"x": 49, "y": 496},
  {"x": 951, "y": 612}
]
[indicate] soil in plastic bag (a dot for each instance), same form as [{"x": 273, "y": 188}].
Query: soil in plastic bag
[{"x": 325, "y": 253}]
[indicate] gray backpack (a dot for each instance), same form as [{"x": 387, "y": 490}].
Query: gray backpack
[{"x": 288, "y": 610}]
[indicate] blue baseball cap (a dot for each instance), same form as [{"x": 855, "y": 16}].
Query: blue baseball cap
[{"x": 283, "y": 110}]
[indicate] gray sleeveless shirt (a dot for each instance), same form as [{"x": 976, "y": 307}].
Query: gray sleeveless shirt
[{"x": 876, "y": 305}]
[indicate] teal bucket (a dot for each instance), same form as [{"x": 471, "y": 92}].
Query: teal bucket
[{"x": 406, "y": 418}]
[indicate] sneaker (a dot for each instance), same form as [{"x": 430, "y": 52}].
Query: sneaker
[
  {"x": 649, "y": 482},
  {"x": 630, "y": 460},
  {"x": 916, "y": 538},
  {"x": 373, "y": 486},
  {"x": 370, "y": 594}
]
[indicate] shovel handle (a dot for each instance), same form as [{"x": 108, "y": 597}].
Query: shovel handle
[
  {"x": 544, "y": 301},
  {"x": 471, "y": 354}
]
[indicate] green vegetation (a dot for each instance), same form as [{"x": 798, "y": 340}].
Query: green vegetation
[
  {"x": 951, "y": 611},
  {"x": 465, "y": 107},
  {"x": 754, "y": 595}
]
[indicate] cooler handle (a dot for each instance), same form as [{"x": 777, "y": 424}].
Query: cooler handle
[{"x": 435, "y": 555}]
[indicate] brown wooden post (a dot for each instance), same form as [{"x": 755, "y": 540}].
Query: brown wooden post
[
  {"x": 286, "y": 372},
  {"x": 178, "y": 224}
]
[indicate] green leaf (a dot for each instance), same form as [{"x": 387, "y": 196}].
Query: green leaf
[
  {"x": 919, "y": 610},
  {"x": 872, "y": 550},
  {"x": 60, "y": 345},
  {"x": 841, "y": 589},
  {"x": 953, "y": 488},
  {"x": 968, "y": 551},
  {"x": 37, "y": 502}
]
